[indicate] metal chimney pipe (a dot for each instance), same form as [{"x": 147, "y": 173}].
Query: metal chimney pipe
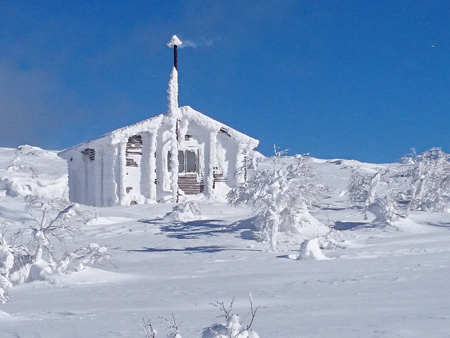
[
  {"x": 175, "y": 57},
  {"x": 175, "y": 42}
]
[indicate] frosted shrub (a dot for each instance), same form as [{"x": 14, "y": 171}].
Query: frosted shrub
[
  {"x": 6, "y": 264},
  {"x": 77, "y": 260},
  {"x": 49, "y": 223},
  {"x": 184, "y": 212},
  {"x": 232, "y": 327},
  {"x": 363, "y": 188},
  {"x": 428, "y": 179},
  {"x": 419, "y": 182},
  {"x": 310, "y": 250},
  {"x": 279, "y": 197},
  {"x": 375, "y": 193}
]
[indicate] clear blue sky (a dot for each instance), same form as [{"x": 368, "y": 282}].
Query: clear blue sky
[{"x": 366, "y": 80}]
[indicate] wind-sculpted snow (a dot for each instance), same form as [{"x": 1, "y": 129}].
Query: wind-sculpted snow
[{"x": 30, "y": 170}]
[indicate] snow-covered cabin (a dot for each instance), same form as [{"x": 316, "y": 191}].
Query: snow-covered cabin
[{"x": 134, "y": 164}]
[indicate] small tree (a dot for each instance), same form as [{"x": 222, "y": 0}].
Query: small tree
[
  {"x": 50, "y": 221},
  {"x": 428, "y": 175},
  {"x": 419, "y": 182},
  {"x": 375, "y": 193},
  {"x": 233, "y": 326},
  {"x": 279, "y": 197}
]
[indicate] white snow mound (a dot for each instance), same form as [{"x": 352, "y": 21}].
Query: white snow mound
[
  {"x": 184, "y": 212},
  {"x": 310, "y": 250}
]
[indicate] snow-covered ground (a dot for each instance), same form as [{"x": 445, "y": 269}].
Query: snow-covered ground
[{"x": 379, "y": 282}]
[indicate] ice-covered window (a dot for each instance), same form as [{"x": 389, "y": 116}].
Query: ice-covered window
[
  {"x": 89, "y": 153},
  {"x": 191, "y": 162},
  {"x": 187, "y": 161}
]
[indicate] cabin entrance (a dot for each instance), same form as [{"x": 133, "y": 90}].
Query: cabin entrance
[{"x": 189, "y": 178}]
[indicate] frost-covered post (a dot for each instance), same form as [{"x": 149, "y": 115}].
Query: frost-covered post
[
  {"x": 152, "y": 175},
  {"x": 122, "y": 171},
  {"x": 146, "y": 181},
  {"x": 110, "y": 196},
  {"x": 210, "y": 160},
  {"x": 174, "y": 117}
]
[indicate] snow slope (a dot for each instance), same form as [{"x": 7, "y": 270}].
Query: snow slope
[{"x": 389, "y": 282}]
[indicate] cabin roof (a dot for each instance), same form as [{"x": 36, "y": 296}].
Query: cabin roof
[{"x": 153, "y": 123}]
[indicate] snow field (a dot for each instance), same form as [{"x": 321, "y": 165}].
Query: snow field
[{"x": 379, "y": 282}]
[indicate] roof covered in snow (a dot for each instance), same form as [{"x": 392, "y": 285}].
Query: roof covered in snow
[{"x": 152, "y": 124}]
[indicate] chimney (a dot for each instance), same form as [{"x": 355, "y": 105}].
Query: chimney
[{"x": 175, "y": 42}]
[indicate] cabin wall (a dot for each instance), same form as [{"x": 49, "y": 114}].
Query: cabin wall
[
  {"x": 227, "y": 151},
  {"x": 77, "y": 178},
  {"x": 109, "y": 186}
]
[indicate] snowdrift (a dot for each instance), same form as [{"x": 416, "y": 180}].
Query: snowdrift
[{"x": 31, "y": 170}]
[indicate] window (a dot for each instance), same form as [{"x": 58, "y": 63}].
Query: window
[
  {"x": 191, "y": 161},
  {"x": 187, "y": 161},
  {"x": 90, "y": 153}
]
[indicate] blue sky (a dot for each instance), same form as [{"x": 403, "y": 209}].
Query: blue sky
[{"x": 366, "y": 80}]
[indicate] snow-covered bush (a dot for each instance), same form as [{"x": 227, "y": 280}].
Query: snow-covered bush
[
  {"x": 375, "y": 193},
  {"x": 50, "y": 222},
  {"x": 185, "y": 212},
  {"x": 279, "y": 197},
  {"x": 428, "y": 178},
  {"x": 6, "y": 265},
  {"x": 310, "y": 250},
  {"x": 232, "y": 327},
  {"x": 420, "y": 182}
]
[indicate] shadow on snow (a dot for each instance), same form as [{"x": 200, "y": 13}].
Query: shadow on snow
[
  {"x": 244, "y": 229},
  {"x": 193, "y": 249},
  {"x": 343, "y": 226}
]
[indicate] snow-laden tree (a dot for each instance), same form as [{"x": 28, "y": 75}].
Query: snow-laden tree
[
  {"x": 428, "y": 179},
  {"x": 48, "y": 225},
  {"x": 6, "y": 265},
  {"x": 279, "y": 197},
  {"x": 419, "y": 182},
  {"x": 374, "y": 193}
]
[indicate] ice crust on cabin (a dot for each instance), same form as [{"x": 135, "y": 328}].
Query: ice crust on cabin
[{"x": 226, "y": 152}]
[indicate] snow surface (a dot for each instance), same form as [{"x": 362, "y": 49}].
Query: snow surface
[{"x": 378, "y": 282}]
